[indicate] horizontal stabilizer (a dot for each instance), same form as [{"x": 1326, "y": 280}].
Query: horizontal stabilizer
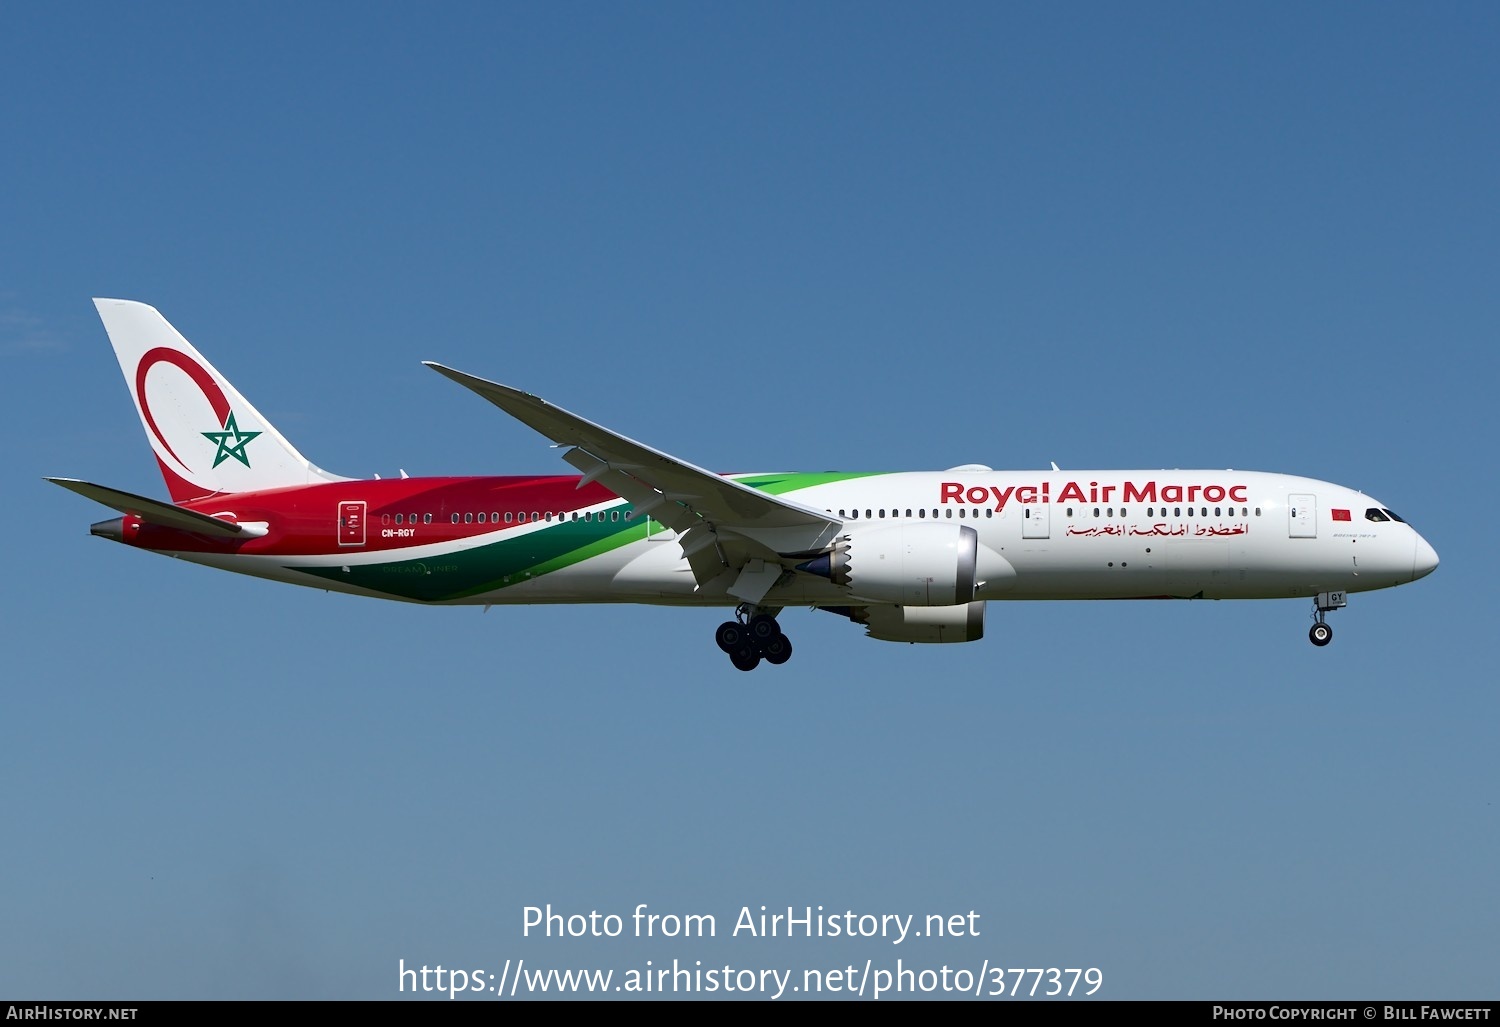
[{"x": 153, "y": 511}]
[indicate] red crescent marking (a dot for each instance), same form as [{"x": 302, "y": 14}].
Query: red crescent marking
[{"x": 195, "y": 371}]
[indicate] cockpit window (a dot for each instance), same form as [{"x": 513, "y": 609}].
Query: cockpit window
[
  {"x": 1374, "y": 514},
  {"x": 1393, "y": 515}
]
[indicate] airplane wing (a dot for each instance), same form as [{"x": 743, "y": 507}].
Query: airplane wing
[
  {"x": 154, "y": 511},
  {"x": 722, "y": 524}
]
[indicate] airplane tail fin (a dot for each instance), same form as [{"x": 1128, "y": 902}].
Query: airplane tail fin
[{"x": 207, "y": 438}]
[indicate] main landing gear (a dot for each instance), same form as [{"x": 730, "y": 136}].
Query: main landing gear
[
  {"x": 753, "y": 636},
  {"x": 1320, "y": 633}
]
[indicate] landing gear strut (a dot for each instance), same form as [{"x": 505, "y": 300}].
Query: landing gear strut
[
  {"x": 752, "y": 636},
  {"x": 1320, "y": 633}
]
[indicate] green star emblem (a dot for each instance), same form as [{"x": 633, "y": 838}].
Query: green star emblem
[{"x": 221, "y": 439}]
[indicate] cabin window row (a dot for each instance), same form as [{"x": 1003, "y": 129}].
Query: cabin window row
[
  {"x": 512, "y": 517},
  {"x": 521, "y": 516},
  {"x": 872, "y": 513},
  {"x": 869, "y": 513},
  {"x": 1175, "y": 511}
]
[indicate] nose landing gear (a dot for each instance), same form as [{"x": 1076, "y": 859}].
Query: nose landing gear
[
  {"x": 752, "y": 636},
  {"x": 1321, "y": 634}
]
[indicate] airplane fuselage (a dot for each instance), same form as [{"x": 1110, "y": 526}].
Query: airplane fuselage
[
  {"x": 909, "y": 556},
  {"x": 1066, "y": 534}
]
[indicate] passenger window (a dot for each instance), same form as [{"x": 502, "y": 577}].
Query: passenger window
[
  {"x": 455, "y": 518},
  {"x": 398, "y": 518},
  {"x": 468, "y": 518},
  {"x": 481, "y": 517}
]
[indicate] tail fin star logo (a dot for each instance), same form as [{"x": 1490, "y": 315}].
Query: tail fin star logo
[{"x": 226, "y": 448}]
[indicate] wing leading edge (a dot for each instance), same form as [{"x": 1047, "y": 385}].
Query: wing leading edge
[{"x": 722, "y": 524}]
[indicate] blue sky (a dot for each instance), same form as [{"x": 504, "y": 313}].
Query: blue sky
[{"x": 762, "y": 237}]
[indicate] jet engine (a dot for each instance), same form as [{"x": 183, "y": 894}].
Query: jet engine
[
  {"x": 924, "y": 563},
  {"x": 962, "y": 623}
]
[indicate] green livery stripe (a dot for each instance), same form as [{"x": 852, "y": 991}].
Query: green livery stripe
[
  {"x": 778, "y": 484},
  {"x": 507, "y": 561},
  {"x": 514, "y": 558}
]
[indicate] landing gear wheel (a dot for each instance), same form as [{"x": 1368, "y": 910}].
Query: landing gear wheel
[
  {"x": 745, "y": 658},
  {"x": 778, "y": 650},
  {"x": 763, "y": 628},
  {"x": 1323, "y": 604},
  {"x": 730, "y": 636}
]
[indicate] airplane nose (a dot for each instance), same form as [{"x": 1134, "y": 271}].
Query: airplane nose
[{"x": 1425, "y": 561}]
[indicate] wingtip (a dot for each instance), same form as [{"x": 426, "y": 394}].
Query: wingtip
[{"x": 462, "y": 377}]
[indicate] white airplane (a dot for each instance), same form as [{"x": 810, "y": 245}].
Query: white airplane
[{"x": 911, "y": 556}]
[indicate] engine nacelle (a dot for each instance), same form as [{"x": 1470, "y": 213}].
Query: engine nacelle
[
  {"x": 924, "y": 563},
  {"x": 963, "y": 623}
]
